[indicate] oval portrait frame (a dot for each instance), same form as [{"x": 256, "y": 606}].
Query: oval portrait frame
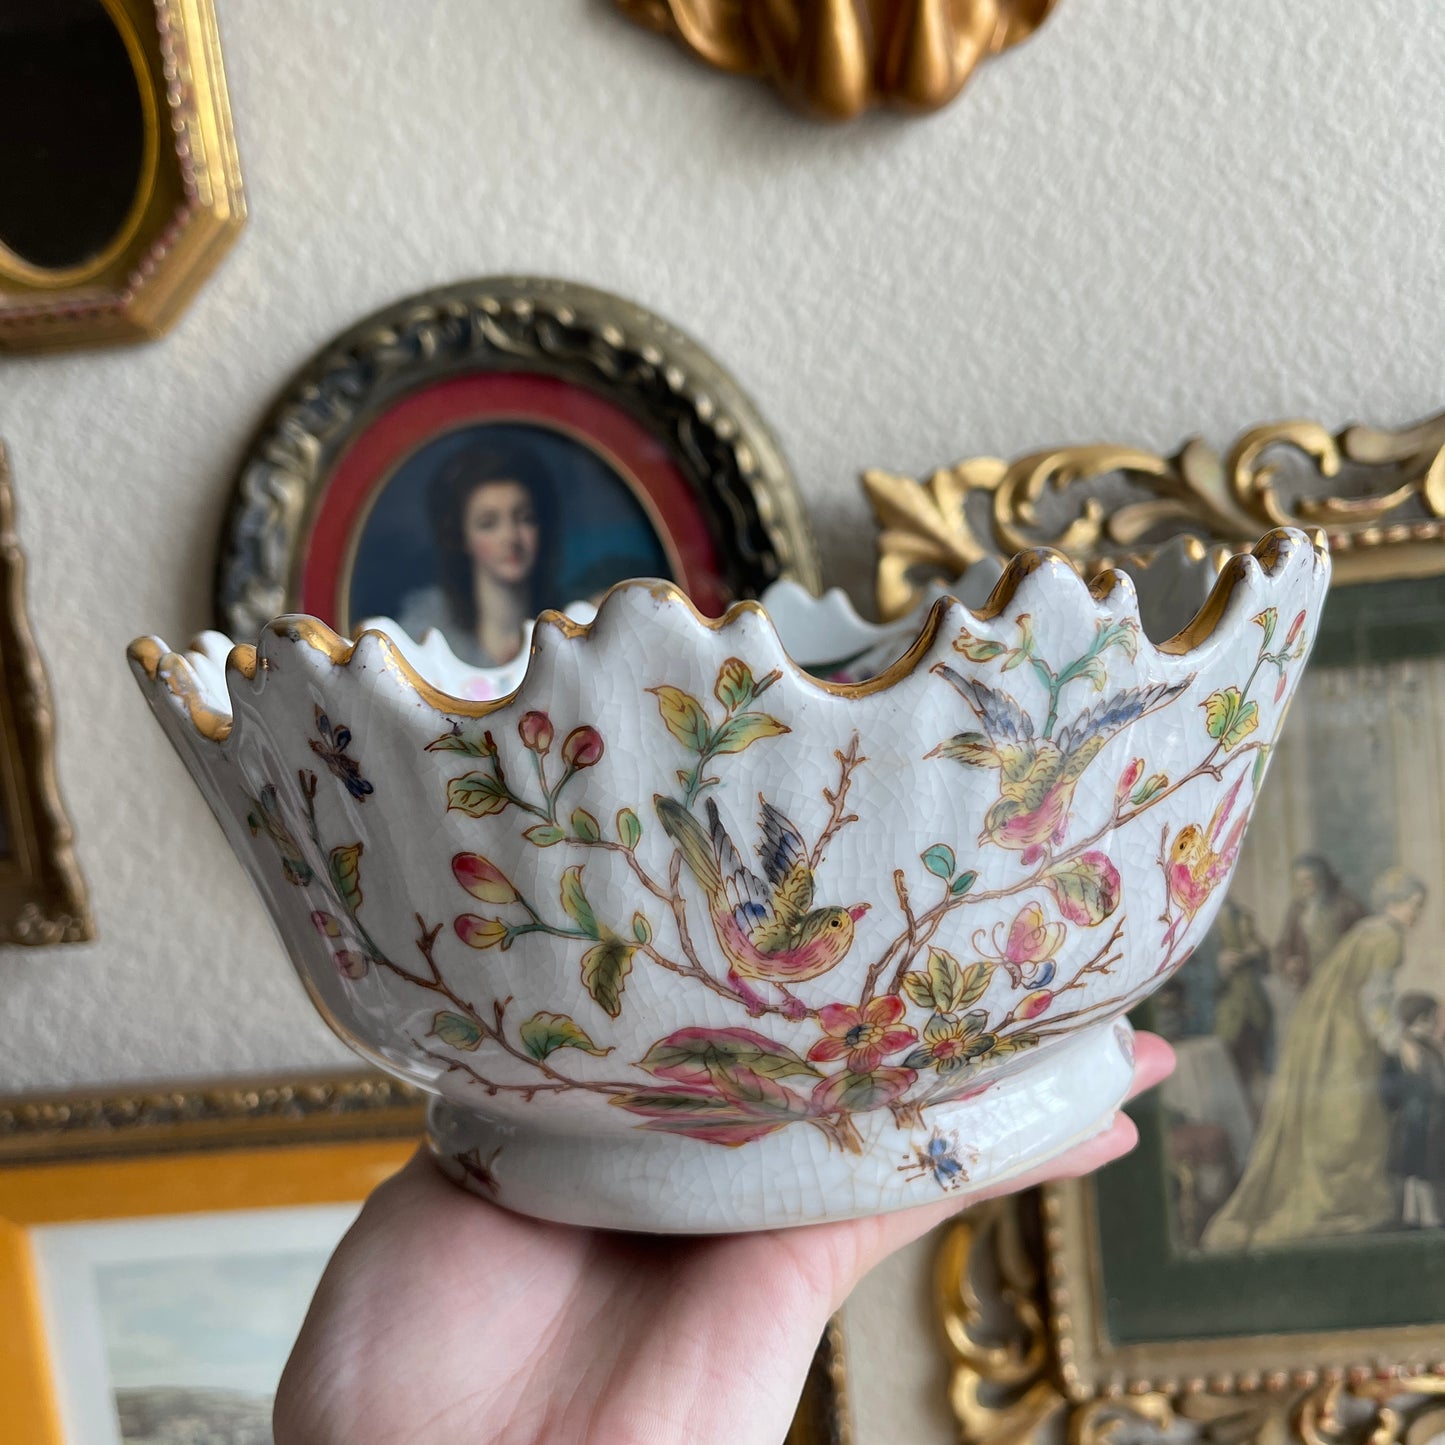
[{"x": 677, "y": 428}]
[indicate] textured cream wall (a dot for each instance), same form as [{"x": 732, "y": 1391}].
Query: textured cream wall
[{"x": 1155, "y": 218}]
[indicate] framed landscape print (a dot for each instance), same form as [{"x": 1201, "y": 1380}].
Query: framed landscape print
[
  {"x": 159, "y": 1250},
  {"x": 474, "y": 455},
  {"x": 1272, "y": 1255}
]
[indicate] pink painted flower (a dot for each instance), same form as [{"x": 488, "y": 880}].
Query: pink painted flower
[
  {"x": 582, "y": 748},
  {"x": 536, "y": 733},
  {"x": 1127, "y": 782},
  {"x": 480, "y": 932},
  {"x": 865, "y": 1037},
  {"x": 483, "y": 879},
  {"x": 1295, "y": 628},
  {"x": 1035, "y": 1004}
]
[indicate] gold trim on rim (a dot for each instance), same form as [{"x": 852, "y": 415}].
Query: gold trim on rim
[{"x": 150, "y": 657}]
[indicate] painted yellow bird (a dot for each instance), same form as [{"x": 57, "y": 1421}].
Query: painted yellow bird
[
  {"x": 768, "y": 927},
  {"x": 1038, "y": 775}
]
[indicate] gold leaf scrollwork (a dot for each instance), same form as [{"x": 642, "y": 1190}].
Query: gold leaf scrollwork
[
  {"x": 835, "y": 58},
  {"x": 1008, "y": 1299},
  {"x": 1102, "y": 504},
  {"x": 988, "y": 1292}
]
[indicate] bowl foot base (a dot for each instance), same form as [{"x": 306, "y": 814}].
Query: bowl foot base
[{"x": 662, "y": 1183}]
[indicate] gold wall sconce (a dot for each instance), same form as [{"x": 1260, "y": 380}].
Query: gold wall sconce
[
  {"x": 119, "y": 182},
  {"x": 834, "y": 59}
]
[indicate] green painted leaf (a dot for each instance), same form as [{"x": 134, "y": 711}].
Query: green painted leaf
[
  {"x": 1229, "y": 718},
  {"x": 629, "y": 830},
  {"x": 977, "y": 649},
  {"x": 545, "y": 1033},
  {"x": 1268, "y": 620},
  {"x": 697, "y": 1055},
  {"x": 544, "y": 835},
  {"x": 1122, "y": 635},
  {"x": 471, "y": 740},
  {"x": 684, "y": 716},
  {"x": 744, "y": 730},
  {"x": 1149, "y": 789},
  {"x": 963, "y": 883},
  {"x": 1092, "y": 668},
  {"x": 1261, "y": 762},
  {"x": 734, "y": 686},
  {"x": 919, "y": 988},
  {"x": 852, "y": 1093},
  {"x": 1244, "y": 723},
  {"x": 457, "y": 1031},
  {"x": 947, "y": 979},
  {"x": 478, "y": 795},
  {"x": 641, "y": 928},
  {"x": 344, "y": 865},
  {"x": 575, "y": 904},
  {"x": 939, "y": 860},
  {"x": 1086, "y": 888},
  {"x": 605, "y": 967},
  {"x": 584, "y": 825},
  {"x": 1014, "y": 1044},
  {"x": 976, "y": 979}
]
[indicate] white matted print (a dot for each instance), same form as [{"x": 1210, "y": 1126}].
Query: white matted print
[{"x": 178, "y": 1323}]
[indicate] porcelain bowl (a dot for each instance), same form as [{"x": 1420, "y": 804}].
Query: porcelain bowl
[{"x": 685, "y": 938}]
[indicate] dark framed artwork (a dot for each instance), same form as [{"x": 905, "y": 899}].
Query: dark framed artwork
[
  {"x": 42, "y": 896},
  {"x": 472, "y": 456},
  {"x": 1269, "y": 1263}
]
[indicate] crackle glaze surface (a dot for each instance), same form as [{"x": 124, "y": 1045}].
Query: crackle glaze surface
[{"x": 683, "y": 939}]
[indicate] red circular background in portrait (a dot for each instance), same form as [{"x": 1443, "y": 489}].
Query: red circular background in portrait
[{"x": 638, "y": 456}]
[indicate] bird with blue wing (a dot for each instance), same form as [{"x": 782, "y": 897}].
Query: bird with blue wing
[
  {"x": 1038, "y": 774},
  {"x": 768, "y": 927}
]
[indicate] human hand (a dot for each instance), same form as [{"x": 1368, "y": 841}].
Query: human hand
[{"x": 444, "y": 1318}]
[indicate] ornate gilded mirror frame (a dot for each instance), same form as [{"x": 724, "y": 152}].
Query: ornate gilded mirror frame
[
  {"x": 834, "y": 59},
  {"x": 1020, "y": 1284},
  {"x": 1105, "y": 504},
  {"x": 187, "y": 209},
  {"x": 42, "y": 897}
]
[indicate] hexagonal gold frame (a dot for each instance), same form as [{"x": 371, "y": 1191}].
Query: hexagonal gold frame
[{"x": 188, "y": 208}]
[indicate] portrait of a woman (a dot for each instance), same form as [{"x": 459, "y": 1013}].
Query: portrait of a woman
[{"x": 492, "y": 521}]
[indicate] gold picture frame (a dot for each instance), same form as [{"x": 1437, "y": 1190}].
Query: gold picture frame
[
  {"x": 361, "y": 424},
  {"x": 42, "y": 896},
  {"x": 226, "y": 1146},
  {"x": 187, "y": 209},
  {"x": 1027, "y": 1292},
  {"x": 836, "y": 60}
]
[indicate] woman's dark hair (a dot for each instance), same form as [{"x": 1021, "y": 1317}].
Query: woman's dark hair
[{"x": 479, "y": 464}]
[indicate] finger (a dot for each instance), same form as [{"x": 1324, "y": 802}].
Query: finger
[{"x": 1154, "y": 1061}]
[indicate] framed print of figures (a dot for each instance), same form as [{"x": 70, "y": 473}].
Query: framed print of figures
[
  {"x": 471, "y": 456},
  {"x": 1272, "y": 1256},
  {"x": 42, "y": 897},
  {"x": 159, "y": 1249}
]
